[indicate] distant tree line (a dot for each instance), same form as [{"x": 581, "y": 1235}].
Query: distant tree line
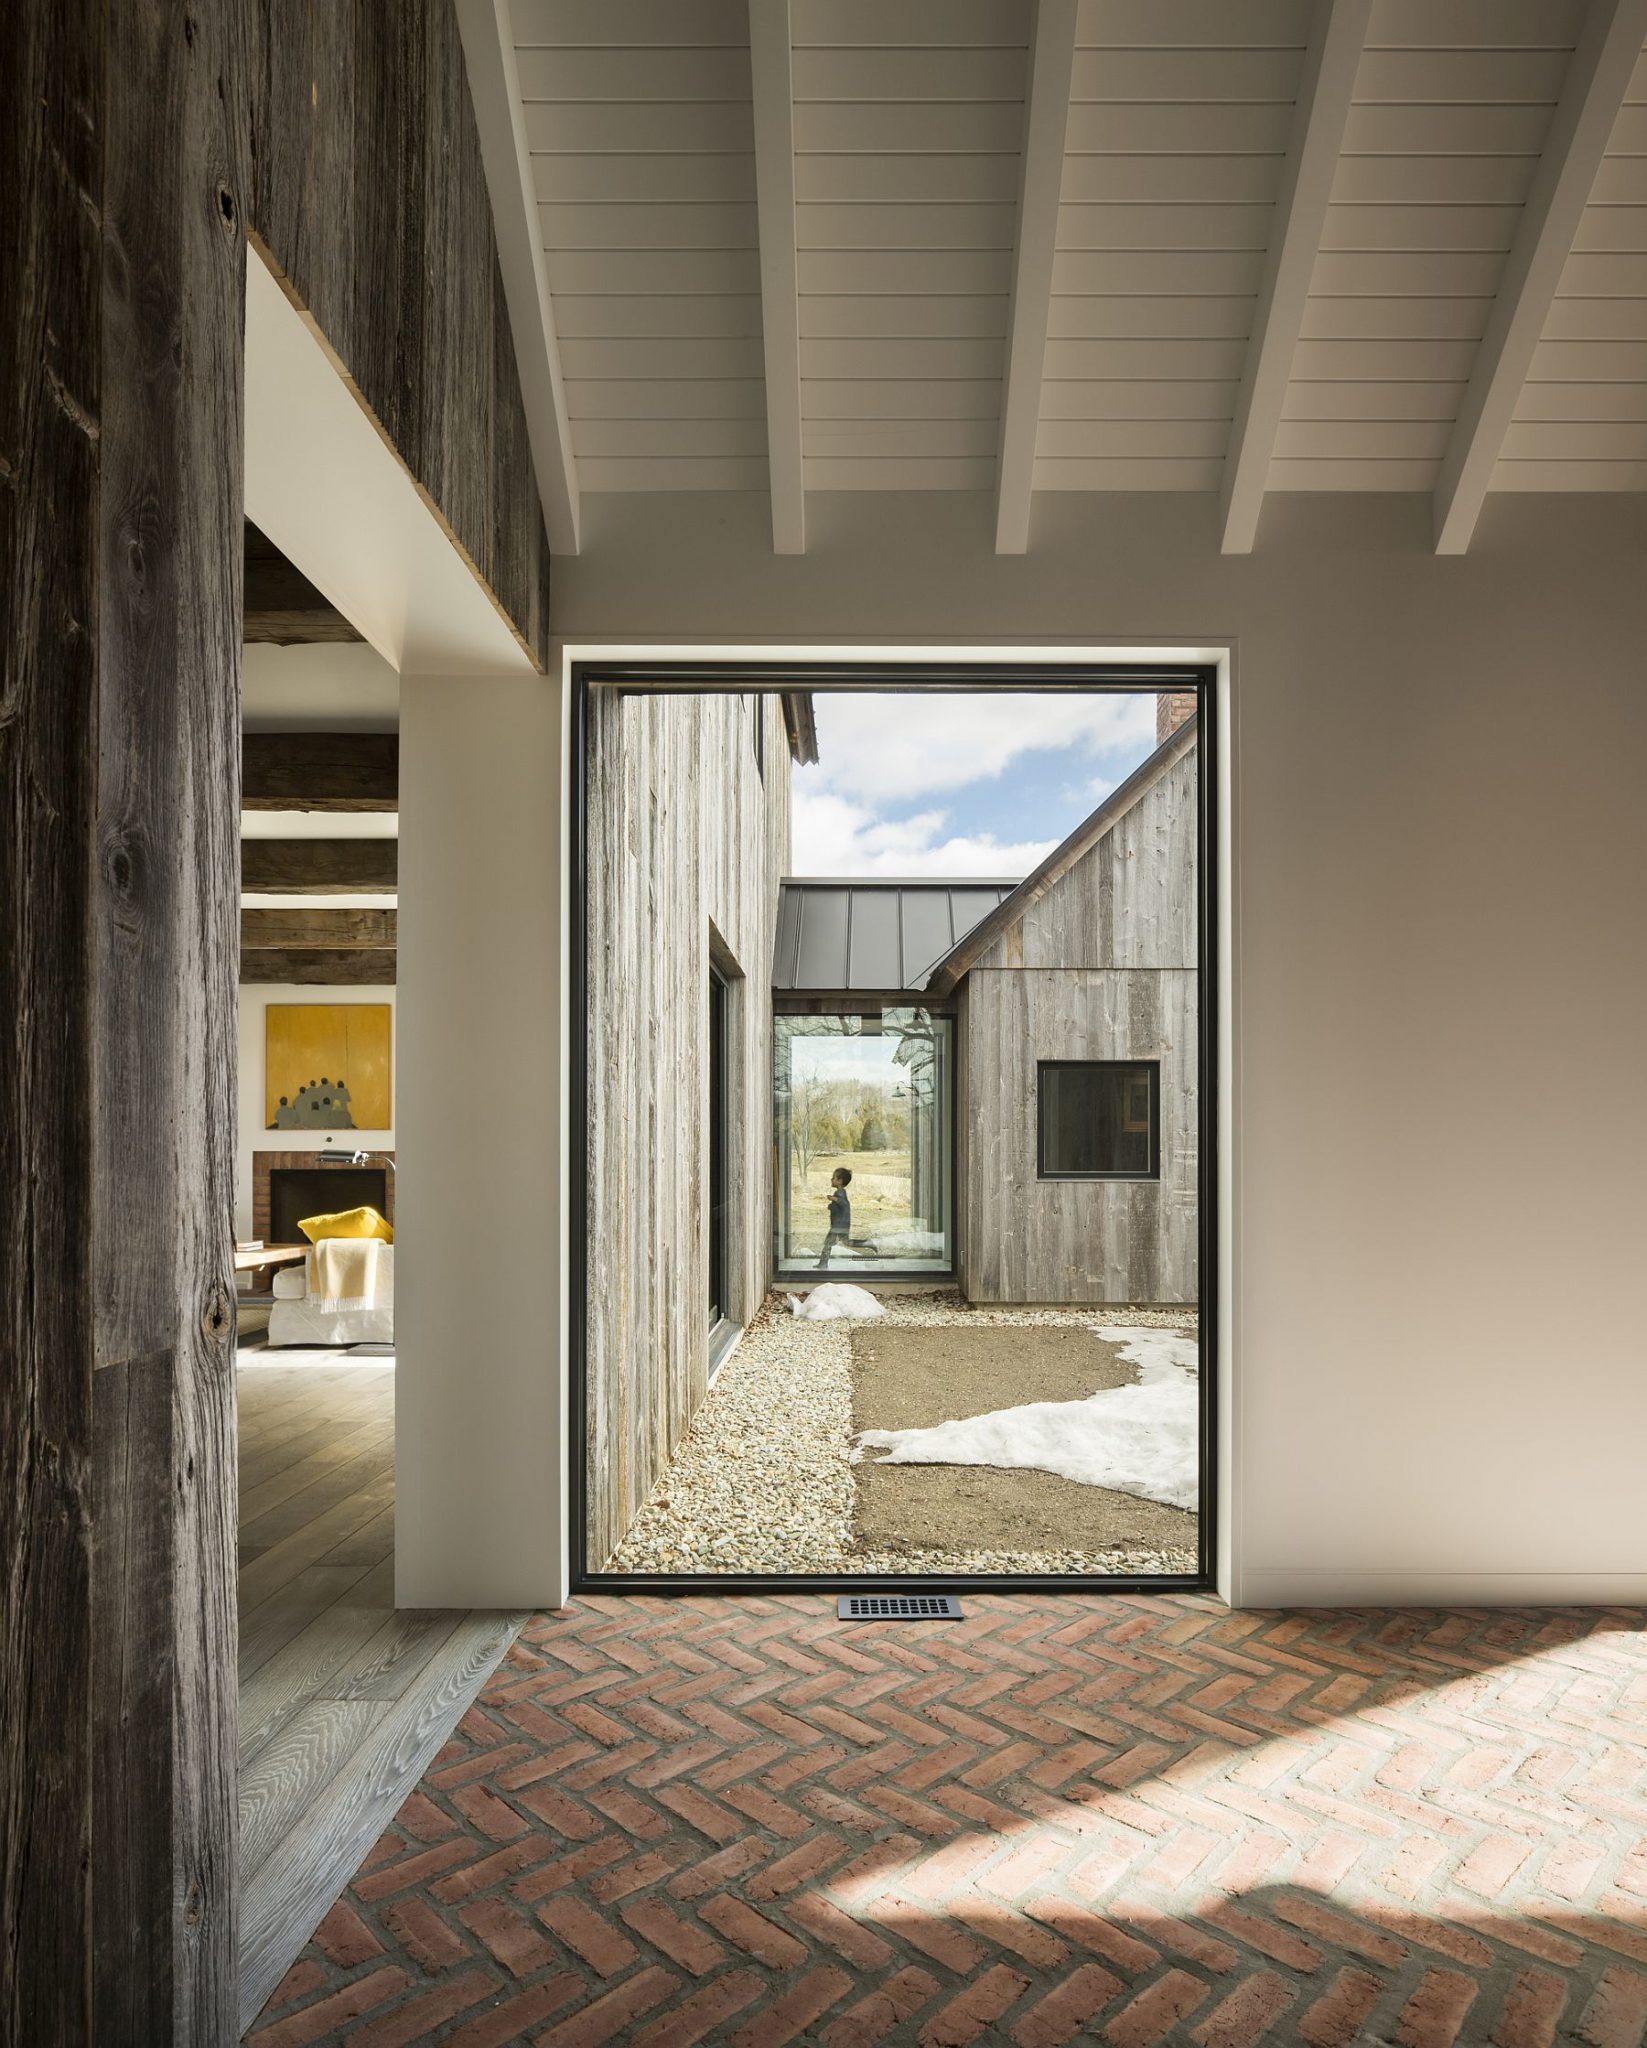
[{"x": 827, "y": 1118}]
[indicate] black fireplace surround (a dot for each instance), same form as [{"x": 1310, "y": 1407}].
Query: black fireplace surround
[{"x": 299, "y": 1191}]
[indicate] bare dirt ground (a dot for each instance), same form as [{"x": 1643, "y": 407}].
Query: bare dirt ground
[
  {"x": 764, "y": 1482},
  {"x": 913, "y": 1378}
]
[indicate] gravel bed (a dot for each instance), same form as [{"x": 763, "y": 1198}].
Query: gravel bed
[{"x": 763, "y": 1484}]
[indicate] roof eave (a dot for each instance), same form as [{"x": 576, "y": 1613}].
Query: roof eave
[
  {"x": 801, "y": 726},
  {"x": 962, "y": 956}
]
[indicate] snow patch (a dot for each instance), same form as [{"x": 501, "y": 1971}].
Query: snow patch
[
  {"x": 908, "y": 1244},
  {"x": 1141, "y": 1439},
  {"x": 836, "y": 1303}
]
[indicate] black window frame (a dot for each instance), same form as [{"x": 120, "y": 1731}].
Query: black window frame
[
  {"x": 1043, "y": 1172},
  {"x": 719, "y": 1134},
  {"x": 695, "y": 675},
  {"x": 865, "y": 1006}
]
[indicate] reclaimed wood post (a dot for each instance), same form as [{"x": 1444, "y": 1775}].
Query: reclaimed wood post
[{"x": 121, "y": 190}]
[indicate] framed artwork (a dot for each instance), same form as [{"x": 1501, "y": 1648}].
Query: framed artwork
[{"x": 326, "y": 1067}]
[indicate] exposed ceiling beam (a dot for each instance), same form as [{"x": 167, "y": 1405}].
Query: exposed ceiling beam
[
  {"x": 323, "y": 969},
  {"x": 1598, "y": 76},
  {"x": 281, "y": 607},
  {"x": 1325, "y": 91},
  {"x": 494, "y": 85},
  {"x": 320, "y": 771},
  {"x": 774, "y": 109},
  {"x": 1041, "y": 182},
  {"x": 319, "y": 867},
  {"x": 368, "y": 931}
]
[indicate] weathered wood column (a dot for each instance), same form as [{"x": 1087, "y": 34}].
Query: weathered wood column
[{"x": 122, "y": 168}]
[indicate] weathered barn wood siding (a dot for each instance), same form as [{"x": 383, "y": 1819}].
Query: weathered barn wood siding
[
  {"x": 370, "y": 199},
  {"x": 683, "y": 836},
  {"x": 122, "y": 182},
  {"x": 1103, "y": 967}
]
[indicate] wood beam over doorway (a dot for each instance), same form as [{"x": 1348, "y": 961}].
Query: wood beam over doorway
[
  {"x": 283, "y": 608},
  {"x": 340, "y": 948},
  {"x": 330, "y": 930},
  {"x": 319, "y": 967},
  {"x": 320, "y": 771},
  {"x": 319, "y": 867}
]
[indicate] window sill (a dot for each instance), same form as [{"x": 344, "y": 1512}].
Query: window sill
[{"x": 723, "y": 1341}]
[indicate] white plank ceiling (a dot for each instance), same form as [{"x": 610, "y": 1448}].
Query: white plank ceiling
[{"x": 1427, "y": 150}]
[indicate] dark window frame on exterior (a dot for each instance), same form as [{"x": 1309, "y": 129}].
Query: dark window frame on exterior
[{"x": 1047, "y": 1135}]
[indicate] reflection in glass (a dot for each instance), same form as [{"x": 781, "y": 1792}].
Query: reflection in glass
[{"x": 863, "y": 1110}]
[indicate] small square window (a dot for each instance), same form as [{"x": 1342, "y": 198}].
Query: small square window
[{"x": 1100, "y": 1119}]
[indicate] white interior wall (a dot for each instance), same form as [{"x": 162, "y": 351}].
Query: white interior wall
[
  {"x": 251, "y": 1135},
  {"x": 1437, "y": 844},
  {"x": 479, "y": 1462}
]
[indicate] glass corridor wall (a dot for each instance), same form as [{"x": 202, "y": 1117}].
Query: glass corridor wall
[{"x": 871, "y": 1096}]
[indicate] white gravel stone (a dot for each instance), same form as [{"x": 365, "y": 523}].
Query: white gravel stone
[{"x": 763, "y": 1483}]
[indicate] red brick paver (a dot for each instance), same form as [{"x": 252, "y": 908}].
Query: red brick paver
[{"x": 1135, "y": 1821}]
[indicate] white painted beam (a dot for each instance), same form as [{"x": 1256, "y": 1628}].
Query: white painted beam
[
  {"x": 774, "y": 109},
  {"x": 1598, "y": 76},
  {"x": 1324, "y": 96},
  {"x": 1046, "y": 119},
  {"x": 494, "y": 86}
]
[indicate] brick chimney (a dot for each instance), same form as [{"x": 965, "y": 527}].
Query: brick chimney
[{"x": 1172, "y": 707}]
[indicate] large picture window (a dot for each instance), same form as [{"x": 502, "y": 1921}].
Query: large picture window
[
  {"x": 863, "y": 1128},
  {"x": 1100, "y": 1119}
]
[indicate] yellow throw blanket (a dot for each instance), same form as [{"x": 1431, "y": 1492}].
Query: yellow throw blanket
[{"x": 343, "y": 1274}]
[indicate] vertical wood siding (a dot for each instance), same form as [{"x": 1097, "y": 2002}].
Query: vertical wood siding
[
  {"x": 1103, "y": 967},
  {"x": 370, "y": 197},
  {"x": 683, "y": 836}
]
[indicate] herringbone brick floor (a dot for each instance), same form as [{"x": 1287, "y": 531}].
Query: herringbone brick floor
[{"x": 1135, "y": 1820}]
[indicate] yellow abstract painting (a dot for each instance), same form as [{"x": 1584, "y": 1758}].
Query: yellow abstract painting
[{"x": 326, "y": 1067}]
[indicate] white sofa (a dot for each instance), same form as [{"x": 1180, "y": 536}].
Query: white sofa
[{"x": 296, "y": 1318}]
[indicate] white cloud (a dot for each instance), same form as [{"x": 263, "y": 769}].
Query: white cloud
[
  {"x": 833, "y": 836},
  {"x": 886, "y": 747}
]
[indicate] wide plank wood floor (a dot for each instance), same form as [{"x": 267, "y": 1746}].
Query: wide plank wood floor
[{"x": 343, "y": 1700}]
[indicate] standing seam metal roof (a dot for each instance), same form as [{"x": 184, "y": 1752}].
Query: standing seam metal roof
[{"x": 861, "y": 934}]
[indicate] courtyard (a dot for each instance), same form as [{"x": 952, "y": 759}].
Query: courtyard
[{"x": 796, "y": 1460}]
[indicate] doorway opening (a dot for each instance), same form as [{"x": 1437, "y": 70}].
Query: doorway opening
[
  {"x": 344, "y": 1693},
  {"x": 967, "y": 1222},
  {"x": 719, "y": 1292}
]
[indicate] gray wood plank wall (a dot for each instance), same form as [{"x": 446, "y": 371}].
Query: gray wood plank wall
[
  {"x": 126, "y": 191},
  {"x": 1103, "y": 967},
  {"x": 370, "y": 199},
  {"x": 685, "y": 838},
  {"x": 122, "y": 184}
]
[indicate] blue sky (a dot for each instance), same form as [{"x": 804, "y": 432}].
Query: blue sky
[{"x": 975, "y": 784}]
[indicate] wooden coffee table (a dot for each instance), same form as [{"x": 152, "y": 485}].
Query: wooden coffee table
[{"x": 261, "y": 1260}]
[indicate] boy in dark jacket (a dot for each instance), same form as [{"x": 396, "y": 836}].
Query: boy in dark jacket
[{"x": 840, "y": 1212}]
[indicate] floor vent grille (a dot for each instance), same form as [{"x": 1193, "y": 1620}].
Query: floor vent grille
[{"x": 898, "y": 1607}]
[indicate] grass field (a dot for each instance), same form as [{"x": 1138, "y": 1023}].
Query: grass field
[{"x": 879, "y": 1194}]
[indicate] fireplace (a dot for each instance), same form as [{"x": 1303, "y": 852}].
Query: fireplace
[{"x": 287, "y": 1186}]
